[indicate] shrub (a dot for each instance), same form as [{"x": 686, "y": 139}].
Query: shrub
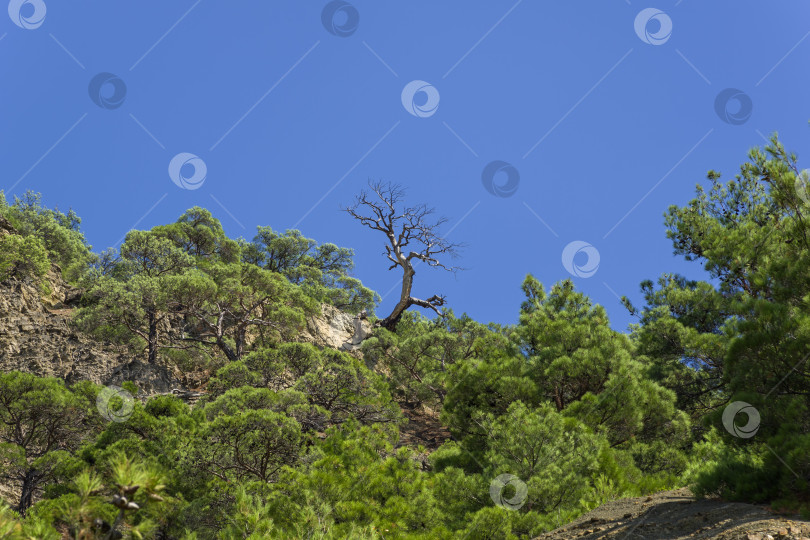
[{"x": 23, "y": 257}]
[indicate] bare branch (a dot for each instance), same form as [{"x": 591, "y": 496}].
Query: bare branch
[{"x": 414, "y": 227}]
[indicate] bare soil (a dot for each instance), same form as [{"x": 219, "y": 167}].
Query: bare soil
[{"x": 675, "y": 515}]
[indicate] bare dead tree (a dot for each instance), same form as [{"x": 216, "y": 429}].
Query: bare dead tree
[{"x": 411, "y": 233}]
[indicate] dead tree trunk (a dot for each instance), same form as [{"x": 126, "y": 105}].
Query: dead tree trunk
[{"x": 401, "y": 228}]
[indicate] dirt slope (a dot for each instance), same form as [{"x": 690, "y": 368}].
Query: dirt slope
[{"x": 674, "y": 515}]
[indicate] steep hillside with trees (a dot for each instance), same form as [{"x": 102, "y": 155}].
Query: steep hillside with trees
[{"x": 195, "y": 386}]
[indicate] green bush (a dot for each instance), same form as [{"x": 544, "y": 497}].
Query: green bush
[
  {"x": 58, "y": 232},
  {"x": 23, "y": 257}
]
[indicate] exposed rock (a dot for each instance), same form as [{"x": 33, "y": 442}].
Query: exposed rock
[
  {"x": 6, "y": 227},
  {"x": 337, "y": 329},
  {"x": 36, "y": 337}
]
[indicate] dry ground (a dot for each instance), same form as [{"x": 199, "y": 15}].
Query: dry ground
[{"x": 675, "y": 515}]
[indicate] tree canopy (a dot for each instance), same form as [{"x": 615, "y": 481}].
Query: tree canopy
[{"x": 433, "y": 427}]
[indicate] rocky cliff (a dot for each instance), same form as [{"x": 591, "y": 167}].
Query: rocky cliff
[{"x": 36, "y": 337}]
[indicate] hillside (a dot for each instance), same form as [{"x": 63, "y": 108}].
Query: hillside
[
  {"x": 36, "y": 336},
  {"x": 676, "y": 515},
  {"x": 189, "y": 386}
]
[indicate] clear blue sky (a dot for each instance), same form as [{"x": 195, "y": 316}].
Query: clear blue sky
[{"x": 593, "y": 117}]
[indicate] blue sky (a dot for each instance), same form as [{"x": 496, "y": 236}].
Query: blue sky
[{"x": 602, "y": 127}]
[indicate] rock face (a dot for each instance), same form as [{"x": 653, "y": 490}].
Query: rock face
[
  {"x": 5, "y": 226},
  {"x": 337, "y": 329},
  {"x": 36, "y": 337}
]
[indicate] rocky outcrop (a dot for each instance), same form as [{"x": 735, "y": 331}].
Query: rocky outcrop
[
  {"x": 337, "y": 329},
  {"x": 36, "y": 336},
  {"x": 6, "y": 227}
]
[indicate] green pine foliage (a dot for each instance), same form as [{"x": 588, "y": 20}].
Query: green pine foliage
[
  {"x": 23, "y": 257},
  {"x": 323, "y": 271},
  {"x": 57, "y": 233},
  {"x": 548, "y": 418}
]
